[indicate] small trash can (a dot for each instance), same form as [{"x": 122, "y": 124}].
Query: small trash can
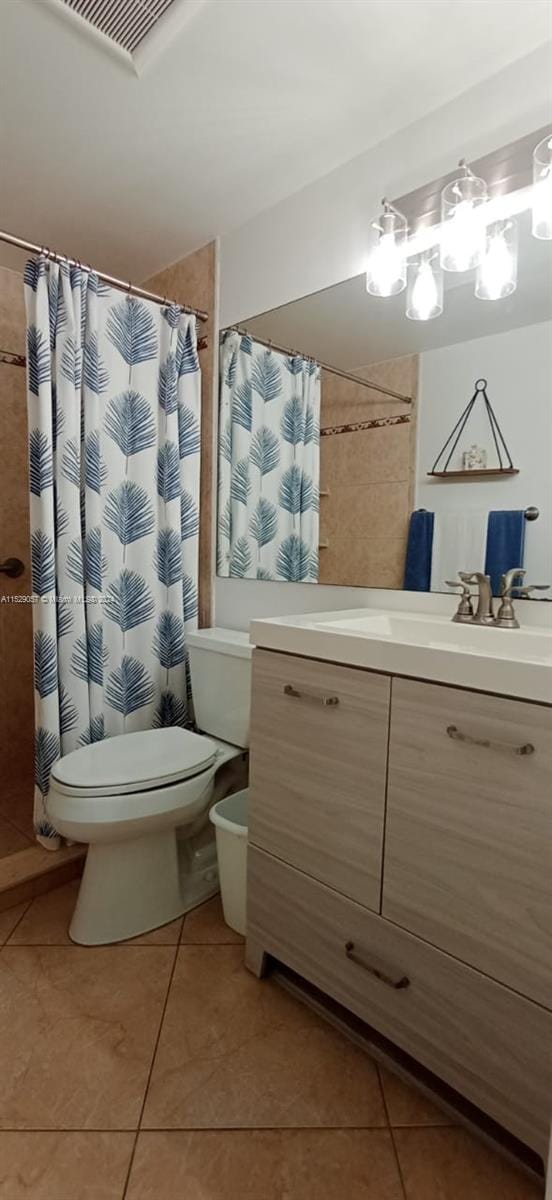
[{"x": 229, "y": 817}]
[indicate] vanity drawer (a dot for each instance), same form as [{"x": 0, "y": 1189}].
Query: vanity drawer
[
  {"x": 488, "y": 1043},
  {"x": 468, "y": 846},
  {"x": 318, "y": 766}
]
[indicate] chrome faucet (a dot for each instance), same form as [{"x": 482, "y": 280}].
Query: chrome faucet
[{"x": 484, "y": 614}]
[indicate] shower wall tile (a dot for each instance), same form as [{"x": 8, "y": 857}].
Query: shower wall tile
[
  {"x": 368, "y": 475},
  {"x": 192, "y": 281},
  {"x": 16, "y": 674},
  {"x": 12, "y": 312}
]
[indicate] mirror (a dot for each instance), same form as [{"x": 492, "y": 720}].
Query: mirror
[{"x": 334, "y": 411}]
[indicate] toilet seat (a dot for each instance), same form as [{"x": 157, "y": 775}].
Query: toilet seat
[{"x": 133, "y": 762}]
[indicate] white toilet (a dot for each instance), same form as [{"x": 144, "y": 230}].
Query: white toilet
[{"x": 141, "y": 801}]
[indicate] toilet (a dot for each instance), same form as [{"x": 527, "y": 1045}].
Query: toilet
[{"x": 141, "y": 801}]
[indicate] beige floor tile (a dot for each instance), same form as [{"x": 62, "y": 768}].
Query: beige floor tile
[
  {"x": 64, "y": 1166},
  {"x": 11, "y": 839},
  {"x": 332, "y": 1164},
  {"x": 205, "y": 925},
  {"x": 9, "y": 919},
  {"x": 77, "y": 1034},
  {"x": 408, "y": 1106},
  {"x": 236, "y": 1052},
  {"x": 451, "y": 1164},
  {"x": 46, "y": 922}
]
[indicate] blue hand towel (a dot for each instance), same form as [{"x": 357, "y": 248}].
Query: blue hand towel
[
  {"x": 417, "y": 571},
  {"x": 505, "y": 544}
]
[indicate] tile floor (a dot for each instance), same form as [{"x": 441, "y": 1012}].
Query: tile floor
[{"x": 162, "y": 1070}]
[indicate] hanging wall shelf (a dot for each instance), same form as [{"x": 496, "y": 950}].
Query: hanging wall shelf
[
  {"x": 451, "y": 443},
  {"x": 474, "y": 474}
]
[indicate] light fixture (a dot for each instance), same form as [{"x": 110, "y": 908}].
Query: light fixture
[
  {"x": 386, "y": 271},
  {"x": 424, "y": 296},
  {"x": 542, "y": 189},
  {"x": 462, "y": 228},
  {"x": 497, "y": 271}
]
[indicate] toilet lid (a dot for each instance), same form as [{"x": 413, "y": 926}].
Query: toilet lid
[{"x": 135, "y": 762}]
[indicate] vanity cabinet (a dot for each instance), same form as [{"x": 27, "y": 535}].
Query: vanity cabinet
[
  {"x": 482, "y": 1038},
  {"x": 318, "y": 767},
  {"x": 400, "y": 860},
  {"x": 468, "y": 848}
]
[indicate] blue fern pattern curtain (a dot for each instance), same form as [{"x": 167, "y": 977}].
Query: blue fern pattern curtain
[
  {"x": 269, "y": 463},
  {"x": 113, "y": 390}
]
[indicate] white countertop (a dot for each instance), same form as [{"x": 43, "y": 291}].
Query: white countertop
[{"x": 511, "y": 662}]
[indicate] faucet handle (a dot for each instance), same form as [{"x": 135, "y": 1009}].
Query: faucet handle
[
  {"x": 463, "y": 583},
  {"x": 523, "y": 592},
  {"x": 507, "y": 582},
  {"x": 464, "y": 611}
]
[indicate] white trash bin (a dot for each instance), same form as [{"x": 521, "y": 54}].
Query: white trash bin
[{"x": 229, "y": 817}]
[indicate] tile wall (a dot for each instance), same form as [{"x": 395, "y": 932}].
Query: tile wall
[{"x": 368, "y": 476}]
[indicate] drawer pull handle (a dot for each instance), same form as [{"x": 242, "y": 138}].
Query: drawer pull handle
[
  {"x": 327, "y": 701},
  {"x": 354, "y": 956},
  {"x": 456, "y": 734}
]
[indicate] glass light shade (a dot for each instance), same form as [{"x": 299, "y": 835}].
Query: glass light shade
[
  {"x": 542, "y": 190},
  {"x": 424, "y": 297},
  {"x": 462, "y": 226},
  {"x": 497, "y": 271},
  {"x": 386, "y": 271}
]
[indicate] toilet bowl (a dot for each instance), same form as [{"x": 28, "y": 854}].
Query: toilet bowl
[{"x": 141, "y": 802}]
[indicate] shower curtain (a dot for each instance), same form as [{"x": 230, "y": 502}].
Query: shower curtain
[
  {"x": 269, "y": 463},
  {"x": 113, "y": 391}
]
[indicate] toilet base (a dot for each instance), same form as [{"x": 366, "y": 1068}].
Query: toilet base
[{"x": 128, "y": 888}]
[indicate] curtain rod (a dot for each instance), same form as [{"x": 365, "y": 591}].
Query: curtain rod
[
  {"x": 124, "y": 285},
  {"x": 375, "y": 387}
]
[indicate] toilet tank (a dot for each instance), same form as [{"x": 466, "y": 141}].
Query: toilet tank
[{"x": 220, "y": 666}]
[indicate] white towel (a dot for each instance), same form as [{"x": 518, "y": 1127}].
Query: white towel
[{"x": 459, "y": 544}]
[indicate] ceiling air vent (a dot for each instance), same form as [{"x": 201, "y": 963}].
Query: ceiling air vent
[
  {"x": 126, "y": 22},
  {"x": 135, "y": 30}
]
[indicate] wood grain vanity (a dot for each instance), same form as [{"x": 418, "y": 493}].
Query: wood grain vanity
[{"x": 401, "y": 860}]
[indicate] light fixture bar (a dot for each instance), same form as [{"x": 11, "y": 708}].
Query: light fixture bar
[{"x": 499, "y": 208}]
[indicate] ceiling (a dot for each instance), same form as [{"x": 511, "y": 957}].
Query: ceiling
[
  {"x": 250, "y": 101},
  {"x": 347, "y": 328}
]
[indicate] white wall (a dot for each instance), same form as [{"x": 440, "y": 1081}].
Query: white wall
[
  {"x": 319, "y": 236},
  {"x": 518, "y": 368}
]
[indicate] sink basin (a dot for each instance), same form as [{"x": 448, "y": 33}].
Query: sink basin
[
  {"x": 510, "y": 662},
  {"x": 442, "y": 633}
]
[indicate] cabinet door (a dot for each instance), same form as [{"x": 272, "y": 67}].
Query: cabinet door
[
  {"x": 318, "y": 765},
  {"x": 468, "y": 849}
]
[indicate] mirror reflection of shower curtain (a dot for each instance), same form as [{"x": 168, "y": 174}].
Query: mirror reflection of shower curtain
[
  {"x": 113, "y": 392},
  {"x": 269, "y": 463}
]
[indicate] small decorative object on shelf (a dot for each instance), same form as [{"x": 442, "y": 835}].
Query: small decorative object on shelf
[{"x": 475, "y": 459}]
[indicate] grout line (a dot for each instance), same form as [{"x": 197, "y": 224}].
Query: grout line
[
  {"x": 150, "y": 1072},
  {"x": 392, "y": 1134},
  {"x": 69, "y": 945},
  {"x": 130, "y": 944},
  {"x": 207, "y": 1129},
  {"x": 18, "y": 922}
]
